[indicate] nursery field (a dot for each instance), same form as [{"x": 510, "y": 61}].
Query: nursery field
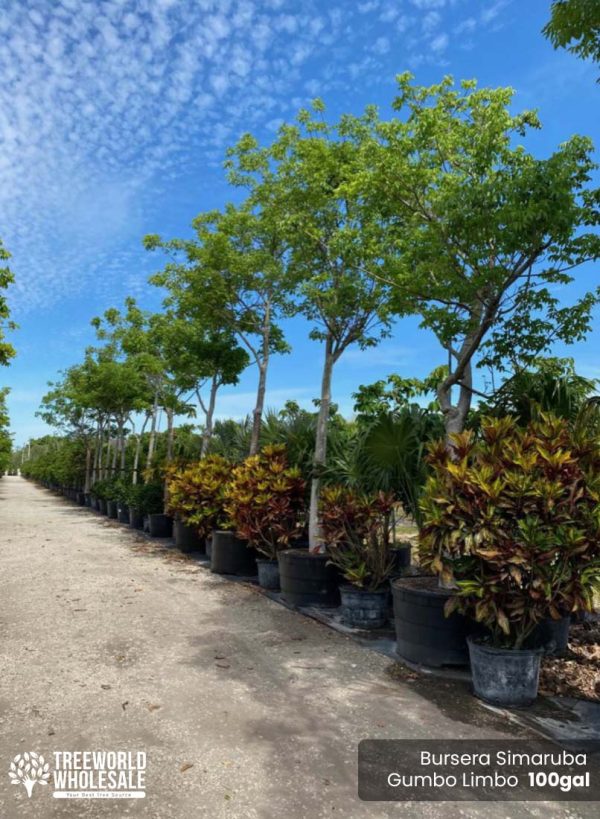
[{"x": 243, "y": 707}]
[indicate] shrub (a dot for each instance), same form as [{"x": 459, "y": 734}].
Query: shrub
[
  {"x": 145, "y": 498},
  {"x": 266, "y": 501},
  {"x": 197, "y": 494},
  {"x": 358, "y": 534},
  {"x": 513, "y": 520}
]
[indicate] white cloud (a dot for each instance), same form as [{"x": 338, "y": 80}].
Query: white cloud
[
  {"x": 439, "y": 43},
  {"x": 381, "y": 45}
]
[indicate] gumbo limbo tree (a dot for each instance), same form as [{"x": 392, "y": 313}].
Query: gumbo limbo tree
[
  {"x": 235, "y": 276},
  {"x": 485, "y": 235},
  {"x": 575, "y": 25},
  {"x": 305, "y": 180}
]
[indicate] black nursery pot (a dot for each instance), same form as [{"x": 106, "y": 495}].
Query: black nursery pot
[
  {"x": 423, "y": 634},
  {"x": 187, "y": 538},
  {"x": 112, "y": 509},
  {"x": 551, "y": 635},
  {"x": 230, "y": 555},
  {"x": 507, "y": 677},
  {"x": 136, "y": 518},
  {"x": 80, "y": 498},
  {"x": 308, "y": 579},
  {"x": 123, "y": 515},
  {"x": 268, "y": 574},
  {"x": 401, "y": 555},
  {"x": 160, "y": 525},
  {"x": 364, "y": 609},
  {"x": 101, "y": 506}
]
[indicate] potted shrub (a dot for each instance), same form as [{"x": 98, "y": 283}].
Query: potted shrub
[
  {"x": 206, "y": 485},
  {"x": 181, "y": 506},
  {"x": 266, "y": 503},
  {"x": 144, "y": 500},
  {"x": 357, "y": 530},
  {"x": 512, "y": 521},
  {"x": 99, "y": 489}
]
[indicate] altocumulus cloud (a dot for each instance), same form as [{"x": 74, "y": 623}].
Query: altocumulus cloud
[{"x": 105, "y": 103}]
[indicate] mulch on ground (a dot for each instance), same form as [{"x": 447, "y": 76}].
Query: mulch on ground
[{"x": 577, "y": 674}]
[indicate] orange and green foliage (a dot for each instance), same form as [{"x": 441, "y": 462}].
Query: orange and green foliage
[
  {"x": 266, "y": 501},
  {"x": 196, "y": 494},
  {"x": 512, "y": 520},
  {"x": 357, "y": 529}
]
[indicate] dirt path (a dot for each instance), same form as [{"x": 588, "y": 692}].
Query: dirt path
[{"x": 243, "y": 708}]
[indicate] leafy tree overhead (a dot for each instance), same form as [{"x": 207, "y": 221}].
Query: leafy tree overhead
[
  {"x": 234, "y": 275},
  {"x": 486, "y": 235},
  {"x": 575, "y": 25},
  {"x": 305, "y": 179}
]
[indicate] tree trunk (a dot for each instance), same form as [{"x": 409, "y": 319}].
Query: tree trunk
[
  {"x": 152, "y": 439},
  {"x": 88, "y": 467},
  {"x": 320, "y": 456},
  {"x": 138, "y": 450},
  {"x": 170, "y": 434},
  {"x": 455, "y": 415},
  {"x": 208, "y": 415},
  {"x": 263, "y": 364}
]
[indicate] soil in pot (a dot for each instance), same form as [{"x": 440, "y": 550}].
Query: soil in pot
[
  {"x": 423, "y": 634},
  {"x": 364, "y": 609},
  {"x": 230, "y": 555},
  {"x": 552, "y": 636},
  {"x": 123, "y": 515},
  {"x": 160, "y": 525},
  {"x": 308, "y": 579},
  {"x": 187, "y": 538},
  {"x": 136, "y": 518},
  {"x": 268, "y": 574},
  {"x": 112, "y": 509},
  {"x": 507, "y": 677}
]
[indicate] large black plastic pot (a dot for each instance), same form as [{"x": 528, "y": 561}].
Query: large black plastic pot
[
  {"x": 364, "y": 609},
  {"x": 80, "y": 498},
  {"x": 208, "y": 546},
  {"x": 423, "y": 634},
  {"x": 101, "y": 506},
  {"x": 503, "y": 676},
  {"x": 187, "y": 538},
  {"x": 87, "y": 499},
  {"x": 401, "y": 556},
  {"x": 551, "y": 635},
  {"x": 308, "y": 579},
  {"x": 268, "y": 574},
  {"x": 123, "y": 515},
  {"x": 136, "y": 518},
  {"x": 160, "y": 525},
  {"x": 230, "y": 555},
  {"x": 112, "y": 510}
]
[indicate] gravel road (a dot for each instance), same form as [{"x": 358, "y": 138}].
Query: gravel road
[{"x": 243, "y": 708}]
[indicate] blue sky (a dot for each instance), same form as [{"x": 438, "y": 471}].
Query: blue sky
[{"x": 114, "y": 119}]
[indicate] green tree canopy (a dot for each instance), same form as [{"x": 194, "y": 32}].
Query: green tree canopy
[{"x": 575, "y": 25}]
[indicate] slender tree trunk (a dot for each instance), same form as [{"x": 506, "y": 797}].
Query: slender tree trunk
[
  {"x": 263, "y": 364},
  {"x": 152, "y": 439},
  {"x": 209, "y": 412},
  {"x": 88, "y": 466},
  {"x": 170, "y": 434},
  {"x": 320, "y": 456},
  {"x": 114, "y": 443},
  {"x": 96, "y": 454},
  {"x": 138, "y": 450},
  {"x": 122, "y": 448}
]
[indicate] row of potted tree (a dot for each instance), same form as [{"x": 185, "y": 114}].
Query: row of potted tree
[{"x": 509, "y": 545}]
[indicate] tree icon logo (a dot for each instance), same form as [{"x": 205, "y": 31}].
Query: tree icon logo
[{"x": 29, "y": 769}]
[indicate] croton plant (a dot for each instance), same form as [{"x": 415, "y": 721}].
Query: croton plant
[
  {"x": 266, "y": 501},
  {"x": 512, "y": 523},
  {"x": 196, "y": 494},
  {"x": 357, "y": 530}
]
